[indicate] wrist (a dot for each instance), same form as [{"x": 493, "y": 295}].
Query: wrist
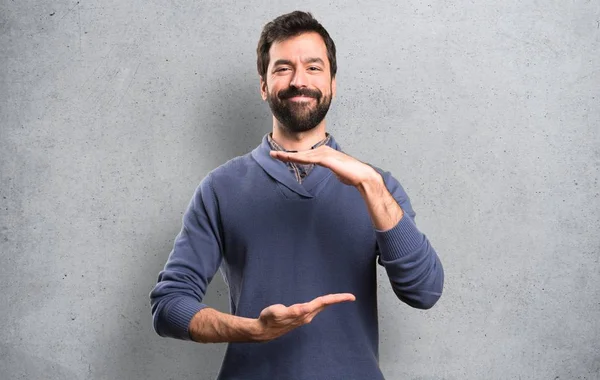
[
  {"x": 384, "y": 210},
  {"x": 371, "y": 181},
  {"x": 255, "y": 331}
]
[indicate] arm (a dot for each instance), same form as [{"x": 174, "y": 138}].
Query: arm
[
  {"x": 212, "y": 326},
  {"x": 194, "y": 260},
  {"x": 412, "y": 265},
  {"x": 385, "y": 212},
  {"x": 176, "y": 299}
]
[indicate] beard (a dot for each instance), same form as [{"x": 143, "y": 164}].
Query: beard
[{"x": 299, "y": 116}]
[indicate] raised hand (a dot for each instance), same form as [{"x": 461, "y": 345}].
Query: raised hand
[
  {"x": 383, "y": 208},
  {"x": 349, "y": 170},
  {"x": 277, "y": 320}
]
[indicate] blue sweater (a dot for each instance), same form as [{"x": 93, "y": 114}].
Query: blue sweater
[{"x": 279, "y": 241}]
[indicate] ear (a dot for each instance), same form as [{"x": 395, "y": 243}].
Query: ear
[
  {"x": 263, "y": 88},
  {"x": 333, "y": 88}
]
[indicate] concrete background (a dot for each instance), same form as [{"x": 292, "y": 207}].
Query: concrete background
[{"x": 488, "y": 112}]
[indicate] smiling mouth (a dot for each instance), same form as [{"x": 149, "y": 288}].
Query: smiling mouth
[{"x": 301, "y": 98}]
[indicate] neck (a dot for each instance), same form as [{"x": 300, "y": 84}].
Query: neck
[{"x": 297, "y": 140}]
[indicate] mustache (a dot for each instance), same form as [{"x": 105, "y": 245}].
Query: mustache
[{"x": 290, "y": 92}]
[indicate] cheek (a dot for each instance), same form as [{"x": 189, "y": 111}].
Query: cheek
[
  {"x": 325, "y": 86},
  {"x": 271, "y": 87}
]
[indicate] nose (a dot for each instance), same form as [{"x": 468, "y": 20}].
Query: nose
[{"x": 299, "y": 79}]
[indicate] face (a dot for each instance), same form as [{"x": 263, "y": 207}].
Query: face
[{"x": 298, "y": 85}]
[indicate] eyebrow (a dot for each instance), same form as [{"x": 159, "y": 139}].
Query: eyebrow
[{"x": 307, "y": 60}]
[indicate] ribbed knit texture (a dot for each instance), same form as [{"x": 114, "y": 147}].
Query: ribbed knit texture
[{"x": 403, "y": 239}]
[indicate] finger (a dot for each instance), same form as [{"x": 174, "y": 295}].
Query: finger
[
  {"x": 285, "y": 156},
  {"x": 331, "y": 299},
  {"x": 304, "y": 309},
  {"x": 273, "y": 311},
  {"x": 307, "y": 311},
  {"x": 298, "y": 310},
  {"x": 325, "y": 301},
  {"x": 308, "y": 157}
]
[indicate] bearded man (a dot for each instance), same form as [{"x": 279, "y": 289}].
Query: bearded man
[{"x": 297, "y": 228}]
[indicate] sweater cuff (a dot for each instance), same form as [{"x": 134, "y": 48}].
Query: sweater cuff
[
  {"x": 401, "y": 240},
  {"x": 180, "y": 315}
]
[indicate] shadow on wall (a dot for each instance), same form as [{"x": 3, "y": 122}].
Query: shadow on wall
[{"x": 237, "y": 126}]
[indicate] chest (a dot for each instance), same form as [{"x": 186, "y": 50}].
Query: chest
[{"x": 268, "y": 226}]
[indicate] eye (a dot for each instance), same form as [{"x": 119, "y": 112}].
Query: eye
[
  {"x": 281, "y": 69},
  {"x": 314, "y": 68}
]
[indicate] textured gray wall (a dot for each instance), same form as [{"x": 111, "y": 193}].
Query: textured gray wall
[{"x": 111, "y": 112}]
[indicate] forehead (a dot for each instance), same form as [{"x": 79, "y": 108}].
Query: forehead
[{"x": 305, "y": 45}]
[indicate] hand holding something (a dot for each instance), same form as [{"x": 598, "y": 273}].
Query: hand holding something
[{"x": 277, "y": 320}]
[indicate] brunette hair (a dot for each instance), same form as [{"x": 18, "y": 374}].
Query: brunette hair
[{"x": 287, "y": 26}]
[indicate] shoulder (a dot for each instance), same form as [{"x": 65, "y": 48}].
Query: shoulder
[
  {"x": 224, "y": 179},
  {"x": 235, "y": 168},
  {"x": 231, "y": 177}
]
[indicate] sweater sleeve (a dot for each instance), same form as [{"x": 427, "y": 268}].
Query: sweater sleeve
[
  {"x": 194, "y": 260},
  {"x": 412, "y": 265}
]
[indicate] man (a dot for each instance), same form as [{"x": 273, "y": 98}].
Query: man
[{"x": 296, "y": 226}]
